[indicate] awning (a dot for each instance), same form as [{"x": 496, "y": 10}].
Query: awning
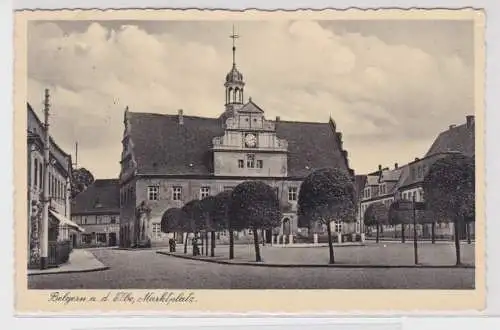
[{"x": 65, "y": 221}]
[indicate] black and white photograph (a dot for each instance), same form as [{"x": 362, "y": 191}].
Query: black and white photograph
[{"x": 243, "y": 153}]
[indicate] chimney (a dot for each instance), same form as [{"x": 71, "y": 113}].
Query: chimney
[
  {"x": 452, "y": 126},
  {"x": 395, "y": 166},
  {"x": 417, "y": 159},
  {"x": 380, "y": 168},
  {"x": 470, "y": 121},
  {"x": 181, "y": 117},
  {"x": 278, "y": 118}
]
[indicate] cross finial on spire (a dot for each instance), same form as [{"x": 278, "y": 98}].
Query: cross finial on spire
[{"x": 234, "y": 36}]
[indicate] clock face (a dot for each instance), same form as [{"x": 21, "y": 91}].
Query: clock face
[{"x": 250, "y": 140}]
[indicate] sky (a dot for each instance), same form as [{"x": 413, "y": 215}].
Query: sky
[{"x": 390, "y": 86}]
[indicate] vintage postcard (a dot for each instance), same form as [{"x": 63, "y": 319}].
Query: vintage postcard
[{"x": 249, "y": 161}]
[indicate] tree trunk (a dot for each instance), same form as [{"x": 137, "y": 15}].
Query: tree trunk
[
  {"x": 186, "y": 244},
  {"x": 202, "y": 243},
  {"x": 262, "y": 236},
  {"x": 206, "y": 243},
  {"x": 256, "y": 244},
  {"x": 433, "y": 233},
  {"x": 456, "y": 226},
  {"x": 231, "y": 244},
  {"x": 469, "y": 241},
  {"x": 330, "y": 244},
  {"x": 212, "y": 246},
  {"x": 378, "y": 232},
  {"x": 403, "y": 239}
]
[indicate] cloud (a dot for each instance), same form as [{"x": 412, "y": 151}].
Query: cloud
[{"x": 389, "y": 99}]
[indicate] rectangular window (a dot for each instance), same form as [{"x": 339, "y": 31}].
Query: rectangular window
[
  {"x": 153, "y": 193},
  {"x": 227, "y": 188},
  {"x": 86, "y": 238},
  {"x": 101, "y": 237},
  {"x": 177, "y": 193},
  {"x": 156, "y": 231},
  {"x": 420, "y": 171},
  {"x": 260, "y": 163},
  {"x": 250, "y": 161},
  {"x": 241, "y": 163},
  {"x": 404, "y": 195},
  {"x": 338, "y": 227},
  {"x": 204, "y": 192},
  {"x": 292, "y": 193},
  {"x": 112, "y": 219}
]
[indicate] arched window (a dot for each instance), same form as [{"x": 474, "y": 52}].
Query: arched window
[
  {"x": 40, "y": 175},
  {"x": 228, "y": 96},
  {"x": 236, "y": 94},
  {"x": 36, "y": 173}
]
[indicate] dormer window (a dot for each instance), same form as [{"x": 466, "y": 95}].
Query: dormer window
[{"x": 97, "y": 204}]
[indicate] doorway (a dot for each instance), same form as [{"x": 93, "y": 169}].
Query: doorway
[{"x": 112, "y": 239}]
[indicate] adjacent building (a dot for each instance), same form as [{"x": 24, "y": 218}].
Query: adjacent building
[
  {"x": 59, "y": 187},
  {"x": 97, "y": 210},
  {"x": 405, "y": 182},
  {"x": 168, "y": 160}
]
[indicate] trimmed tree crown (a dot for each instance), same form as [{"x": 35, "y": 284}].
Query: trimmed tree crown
[
  {"x": 254, "y": 204},
  {"x": 326, "y": 195},
  {"x": 174, "y": 219},
  {"x": 376, "y": 213},
  {"x": 449, "y": 187}
]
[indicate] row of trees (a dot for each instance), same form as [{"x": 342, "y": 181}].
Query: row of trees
[
  {"x": 252, "y": 204},
  {"x": 326, "y": 195},
  {"x": 449, "y": 190}
]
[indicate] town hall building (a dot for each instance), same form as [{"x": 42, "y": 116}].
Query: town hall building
[{"x": 169, "y": 160}]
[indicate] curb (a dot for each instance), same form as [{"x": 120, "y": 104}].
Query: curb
[
  {"x": 243, "y": 263},
  {"x": 97, "y": 269}
]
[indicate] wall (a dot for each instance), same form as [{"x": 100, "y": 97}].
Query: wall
[{"x": 226, "y": 164}]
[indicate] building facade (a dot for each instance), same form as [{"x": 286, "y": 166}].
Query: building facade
[
  {"x": 59, "y": 187},
  {"x": 97, "y": 210},
  {"x": 406, "y": 182},
  {"x": 168, "y": 160}
]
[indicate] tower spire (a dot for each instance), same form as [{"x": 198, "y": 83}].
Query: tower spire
[{"x": 234, "y": 36}]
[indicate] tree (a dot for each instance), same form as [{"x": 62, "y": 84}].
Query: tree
[
  {"x": 220, "y": 217},
  {"x": 376, "y": 214},
  {"x": 208, "y": 205},
  {"x": 449, "y": 190},
  {"x": 254, "y": 205},
  {"x": 81, "y": 178},
  {"x": 195, "y": 217},
  {"x": 326, "y": 195},
  {"x": 174, "y": 220},
  {"x": 395, "y": 217}
]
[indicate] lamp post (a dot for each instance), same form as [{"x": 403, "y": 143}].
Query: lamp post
[{"x": 415, "y": 246}]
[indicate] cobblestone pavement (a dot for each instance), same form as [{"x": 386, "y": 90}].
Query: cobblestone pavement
[{"x": 146, "y": 269}]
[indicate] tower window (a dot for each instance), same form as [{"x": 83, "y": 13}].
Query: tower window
[
  {"x": 250, "y": 161},
  {"x": 241, "y": 163}
]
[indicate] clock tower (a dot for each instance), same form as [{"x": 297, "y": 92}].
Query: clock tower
[{"x": 249, "y": 146}]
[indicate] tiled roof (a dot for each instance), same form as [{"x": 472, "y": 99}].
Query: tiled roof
[
  {"x": 102, "y": 196},
  {"x": 163, "y": 146},
  {"x": 459, "y": 138}
]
